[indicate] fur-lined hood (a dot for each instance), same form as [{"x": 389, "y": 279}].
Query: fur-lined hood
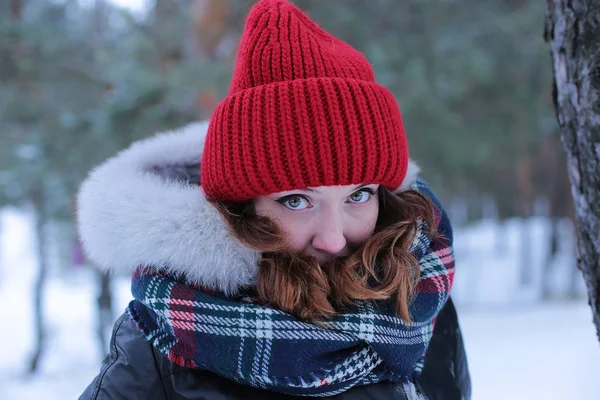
[{"x": 143, "y": 207}]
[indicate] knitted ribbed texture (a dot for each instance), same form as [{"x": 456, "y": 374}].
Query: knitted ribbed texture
[{"x": 303, "y": 110}]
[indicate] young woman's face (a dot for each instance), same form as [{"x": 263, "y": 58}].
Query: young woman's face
[{"x": 324, "y": 222}]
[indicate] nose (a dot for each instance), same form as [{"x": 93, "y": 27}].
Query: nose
[{"x": 329, "y": 236}]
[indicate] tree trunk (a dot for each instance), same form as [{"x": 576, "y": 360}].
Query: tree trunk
[
  {"x": 572, "y": 28},
  {"x": 525, "y": 198},
  {"x": 105, "y": 311},
  {"x": 40, "y": 330},
  {"x": 16, "y": 9},
  {"x": 547, "y": 292}
]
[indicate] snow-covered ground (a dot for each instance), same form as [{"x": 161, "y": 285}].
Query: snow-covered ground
[
  {"x": 517, "y": 348},
  {"x": 540, "y": 352}
]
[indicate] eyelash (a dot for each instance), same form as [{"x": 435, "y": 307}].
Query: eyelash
[
  {"x": 291, "y": 196},
  {"x": 368, "y": 190}
]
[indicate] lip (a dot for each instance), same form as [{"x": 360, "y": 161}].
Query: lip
[{"x": 324, "y": 260}]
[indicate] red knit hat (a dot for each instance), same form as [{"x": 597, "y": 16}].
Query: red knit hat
[{"x": 303, "y": 110}]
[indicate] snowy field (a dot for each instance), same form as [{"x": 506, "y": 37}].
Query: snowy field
[{"x": 517, "y": 348}]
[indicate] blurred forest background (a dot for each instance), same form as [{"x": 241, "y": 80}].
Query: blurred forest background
[{"x": 80, "y": 80}]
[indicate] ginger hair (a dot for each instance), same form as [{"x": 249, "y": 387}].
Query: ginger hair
[{"x": 381, "y": 269}]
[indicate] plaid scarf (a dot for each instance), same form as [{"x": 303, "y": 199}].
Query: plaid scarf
[{"x": 272, "y": 350}]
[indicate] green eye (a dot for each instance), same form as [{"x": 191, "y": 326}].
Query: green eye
[
  {"x": 361, "y": 196},
  {"x": 294, "y": 202}
]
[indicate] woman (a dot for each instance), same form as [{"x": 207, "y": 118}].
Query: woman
[{"x": 285, "y": 249}]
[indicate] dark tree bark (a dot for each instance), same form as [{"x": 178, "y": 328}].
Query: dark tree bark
[{"x": 573, "y": 32}]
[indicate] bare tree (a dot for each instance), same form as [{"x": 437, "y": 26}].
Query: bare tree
[
  {"x": 551, "y": 168},
  {"x": 104, "y": 302},
  {"x": 572, "y": 29},
  {"x": 37, "y": 197}
]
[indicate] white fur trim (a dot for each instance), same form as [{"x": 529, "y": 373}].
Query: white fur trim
[
  {"x": 412, "y": 173},
  {"x": 130, "y": 216}
]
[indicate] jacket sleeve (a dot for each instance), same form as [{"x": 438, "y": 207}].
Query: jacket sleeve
[{"x": 129, "y": 371}]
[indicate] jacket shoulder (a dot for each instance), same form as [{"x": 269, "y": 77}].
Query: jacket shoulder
[
  {"x": 130, "y": 370},
  {"x": 446, "y": 374}
]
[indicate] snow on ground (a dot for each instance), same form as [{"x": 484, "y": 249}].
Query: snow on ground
[
  {"x": 517, "y": 349},
  {"x": 545, "y": 352}
]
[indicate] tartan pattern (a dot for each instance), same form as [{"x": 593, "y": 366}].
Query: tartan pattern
[{"x": 272, "y": 350}]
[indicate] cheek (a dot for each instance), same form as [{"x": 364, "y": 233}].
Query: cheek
[
  {"x": 298, "y": 233},
  {"x": 363, "y": 227},
  {"x": 297, "y": 228}
]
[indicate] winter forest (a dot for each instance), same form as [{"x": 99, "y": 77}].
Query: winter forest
[{"x": 82, "y": 79}]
